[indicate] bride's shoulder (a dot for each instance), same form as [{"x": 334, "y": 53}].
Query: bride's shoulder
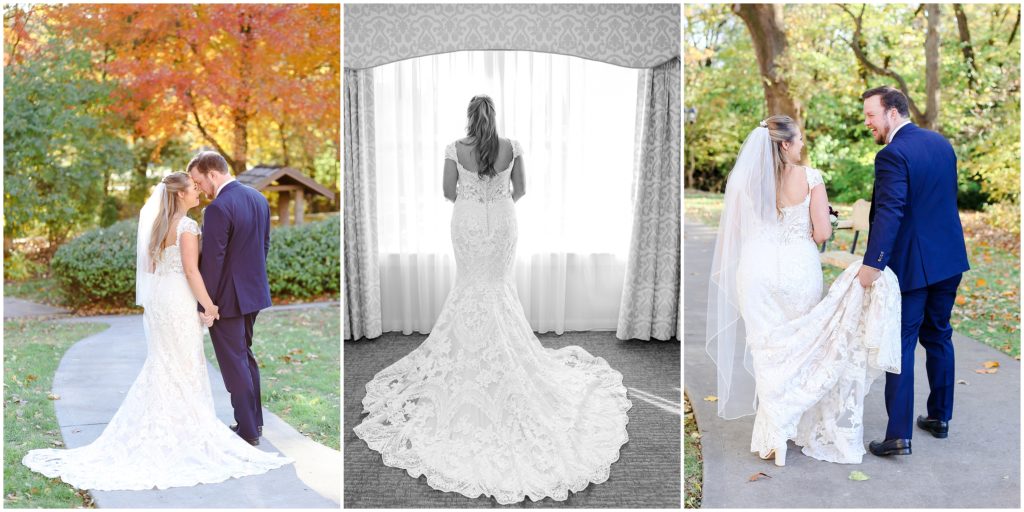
[
  {"x": 187, "y": 225},
  {"x": 517, "y": 150},
  {"x": 813, "y": 176}
]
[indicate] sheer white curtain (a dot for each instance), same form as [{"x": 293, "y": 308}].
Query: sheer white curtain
[{"x": 575, "y": 120}]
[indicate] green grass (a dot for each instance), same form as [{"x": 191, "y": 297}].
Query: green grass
[
  {"x": 32, "y": 351},
  {"x": 693, "y": 462},
  {"x": 299, "y": 352},
  {"x": 988, "y": 304}
]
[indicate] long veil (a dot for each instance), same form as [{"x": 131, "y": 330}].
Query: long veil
[
  {"x": 144, "y": 267},
  {"x": 749, "y": 207}
]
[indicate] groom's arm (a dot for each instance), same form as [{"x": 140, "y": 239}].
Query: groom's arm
[
  {"x": 216, "y": 233},
  {"x": 890, "y": 198}
]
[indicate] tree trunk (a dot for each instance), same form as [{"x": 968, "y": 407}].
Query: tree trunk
[
  {"x": 240, "y": 115},
  {"x": 931, "y": 70},
  {"x": 765, "y": 24},
  {"x": 965, "y": 46}
]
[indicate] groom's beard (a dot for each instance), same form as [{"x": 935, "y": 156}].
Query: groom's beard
[{"x": 880, "y": 137}]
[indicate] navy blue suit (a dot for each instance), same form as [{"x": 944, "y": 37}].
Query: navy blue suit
[
  {"x": 916, "y": 232},
  {"x": 233, "y": 263}
]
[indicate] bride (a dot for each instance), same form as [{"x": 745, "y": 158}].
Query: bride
[
  {"x": 165, "y": 433},
  {"x": 481, "y": 407},
  {"x": 801, "y": 363}
]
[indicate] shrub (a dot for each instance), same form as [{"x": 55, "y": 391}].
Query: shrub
[
  {"x": 305, "y": 261},
  {"x": 99, "y": 266}
]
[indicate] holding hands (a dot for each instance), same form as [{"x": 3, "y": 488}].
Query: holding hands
[{"x": 211, "y": 313}]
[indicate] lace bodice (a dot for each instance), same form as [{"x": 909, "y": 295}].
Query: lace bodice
[
  {"x": 796, "y": 219},
  {"x": 483, "y": 189},
  {"x": 170, "y": 259}
]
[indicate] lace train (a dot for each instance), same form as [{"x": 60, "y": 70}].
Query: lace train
[
  {"x": 814, "y": 371},
  {"x": 508, "y": 418}
]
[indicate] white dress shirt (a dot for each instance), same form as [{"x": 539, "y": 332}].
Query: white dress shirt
[
  {"x": 217, "y": 192},
  {"x": 894, "y": 130}
]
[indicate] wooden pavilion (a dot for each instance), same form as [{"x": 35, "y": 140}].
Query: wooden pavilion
[{"x": 289, "y": 183}]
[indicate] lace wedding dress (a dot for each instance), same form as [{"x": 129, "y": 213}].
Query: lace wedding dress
[
  {"x": 481, "y": 407},
  {"x": 165, "y": 434},
  {"x": 814, "y": 359}
]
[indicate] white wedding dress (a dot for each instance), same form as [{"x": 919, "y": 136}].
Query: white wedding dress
[
  {"x": 814, "y": 359},
  {"x": 165, "y": 434},
  {"x": 481, "y": 407}
]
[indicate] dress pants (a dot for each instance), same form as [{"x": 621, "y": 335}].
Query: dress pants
[{"x": 232, "y": 343}]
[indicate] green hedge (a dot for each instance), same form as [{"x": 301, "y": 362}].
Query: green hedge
[
  {"x": 305, "y": 261},
  {"x": 99, "y": 266}
]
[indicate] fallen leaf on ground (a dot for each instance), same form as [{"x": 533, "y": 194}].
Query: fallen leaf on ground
[
  {"x": 711, "y": 398},
  {"x": 757, "y": 476},
  {"x": 980, "y": 283},
  {"x": 695, "y": 435},
  {"x": 961, "y": 381},
  {"x": 988, "y": 371},
  {"x": 859, "y": 476},
  {"x": 52, "y": 396},
  {"x": 990, "y": 364}
]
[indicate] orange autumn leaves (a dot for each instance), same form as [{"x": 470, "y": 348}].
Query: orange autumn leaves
[{"x": 234, "y": 75}]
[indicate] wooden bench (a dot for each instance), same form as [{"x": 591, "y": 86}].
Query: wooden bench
[{"x": 859, "y": 222}]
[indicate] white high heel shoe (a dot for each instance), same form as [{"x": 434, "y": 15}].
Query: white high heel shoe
[{"x": 779, "y": 454}]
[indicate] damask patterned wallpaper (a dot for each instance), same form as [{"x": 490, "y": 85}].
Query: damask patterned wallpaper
[{"x": 631, "y": 35}]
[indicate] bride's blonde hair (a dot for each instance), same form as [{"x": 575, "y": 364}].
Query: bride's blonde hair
[
  {"x": 781, "y": 129},
  {"x": 173, "y": 183}
]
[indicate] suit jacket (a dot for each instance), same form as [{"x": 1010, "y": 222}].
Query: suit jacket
[
  {"x": 915, "y": 224},
  {"x": 236, "y": 241}
]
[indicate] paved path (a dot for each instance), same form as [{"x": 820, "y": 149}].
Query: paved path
[
  {"x": 21, "y": 308},
  {"x": 94, "y": 375},
  {"x": 645, "y": 476},
  {"x": 978, "y": 466}
]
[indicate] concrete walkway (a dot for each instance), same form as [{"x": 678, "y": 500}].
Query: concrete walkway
[
  {"x": 21, "y": 308},
  {"x": 93, "y": 377},
  {"x": 978, "y": 466}
]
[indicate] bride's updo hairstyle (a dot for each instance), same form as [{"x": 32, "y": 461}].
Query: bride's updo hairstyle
[
  {"x": 781, "y": 129},
  {"x": 173, "y": 183},
  {"x": 482, "y": 126}
]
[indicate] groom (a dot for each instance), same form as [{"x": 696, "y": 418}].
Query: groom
[
  {"x": 916, "y": 232},
  {"x": 233, "y": 263}
]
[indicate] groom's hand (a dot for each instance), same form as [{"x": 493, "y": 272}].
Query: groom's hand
[{"x": 867, "y": 275}]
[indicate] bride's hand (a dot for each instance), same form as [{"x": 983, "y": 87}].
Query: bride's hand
[{"x": 212, "y": 311}]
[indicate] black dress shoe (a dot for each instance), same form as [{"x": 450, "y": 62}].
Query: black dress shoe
[
  {"x": 937, "y": 428},
  {"x": 890, "y": 447},
  {"x": 254, "y": 442},
  {"x": 259, "y": 429}
]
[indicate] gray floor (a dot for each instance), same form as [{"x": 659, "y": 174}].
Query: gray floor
[
  {"x": 647, "y": 474},
  {"x": 978, "y": 466}
]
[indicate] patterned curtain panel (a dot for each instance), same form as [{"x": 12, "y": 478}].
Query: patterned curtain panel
[
  {"x": 362, "y": 276},
  {"x": 630, "y": 35},
  {"x": 650, "y": 296}
]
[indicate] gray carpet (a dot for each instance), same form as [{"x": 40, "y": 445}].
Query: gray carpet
[{"x": 646, "y": 475}]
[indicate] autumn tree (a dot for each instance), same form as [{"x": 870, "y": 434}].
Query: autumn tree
[{"x": 232, "y": 74}]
